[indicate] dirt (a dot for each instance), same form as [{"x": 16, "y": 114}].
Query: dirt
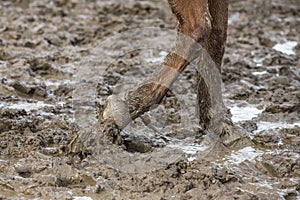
[{"x": 60, "y": 61}]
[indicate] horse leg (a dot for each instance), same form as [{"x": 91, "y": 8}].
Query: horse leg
[
  {"x": 213, "y": 117},
  {"x": 194, "y": 27}
]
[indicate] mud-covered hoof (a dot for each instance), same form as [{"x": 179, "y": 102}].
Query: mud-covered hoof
[
  {"x": 116, "y": 109},
  {"x": 213, "y": 146},
  {"x": 111, "y": 132},
  {"x": 234, "y": 136},
  {"x": 113, "y": 118},
  {"x": 230, "y": 136}
]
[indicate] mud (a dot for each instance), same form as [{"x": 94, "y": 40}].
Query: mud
[{"x": 50, "y": 148}]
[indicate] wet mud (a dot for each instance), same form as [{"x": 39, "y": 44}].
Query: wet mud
[{"x": 51, "y": 146}]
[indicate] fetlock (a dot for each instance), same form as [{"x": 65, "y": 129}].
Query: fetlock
[
  {"x": 221, "y": 130},
  {"x": 233, "y": 136}
]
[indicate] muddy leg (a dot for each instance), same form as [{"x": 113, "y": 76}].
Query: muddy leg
[
  {"x": 194, "y": 27},
  {"x": 214, "y": 46},
  {"x": 213, "y": 116}
]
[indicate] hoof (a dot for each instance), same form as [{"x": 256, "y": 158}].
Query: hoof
[
  {"x": 112, "y": 132},
  {"x": 234, "y": 136},
  {"x": 231, "y": 136},
  {"x": 214, "y": 148},
  {"x": 116, "y": 110},
  {"x": 113, "y": 118}
]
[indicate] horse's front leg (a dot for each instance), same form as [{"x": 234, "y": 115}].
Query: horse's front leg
[{"x": 194, "y": 27}]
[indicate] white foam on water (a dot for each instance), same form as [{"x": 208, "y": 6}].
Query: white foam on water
[
  {"x": 159, "y": 59},
  {"x": 259, "y": 73},
  {"x": 261, "y": 126},
  {"x": 188, "y": 148},
  {"x": 28, "y": 106},
  {"x": 286, "y": 48},
  {"x": 244, "y": 113},
  {"x": 57, "y": 83},
  {"x": 81, "y": 198},
  {"x": 264, "y": 184},
  {"x": 247, "y": 153}
]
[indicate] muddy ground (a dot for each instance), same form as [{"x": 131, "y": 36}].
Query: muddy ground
[{"x": 59, "y": 61}]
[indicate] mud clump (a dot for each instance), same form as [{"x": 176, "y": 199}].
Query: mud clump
[{"x": 50, "y": 147}]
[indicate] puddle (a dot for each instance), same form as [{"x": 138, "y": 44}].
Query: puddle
[
  {"x": 261, "y": 126},
  {"x": 188, "y": 148},
  {"x": 247, "y": 153},
  {"x": 245, "y": 112},
  {"x": 264, "y": 184},
  {"x": 26, "y": 106},
  {"x": 250, "y": 111},
  {"x": 286, "y": 48},
  {"x": 57, "y": 83},
  {"x": 81, "y": 198},
  {"x": 259, "y": 73}
]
